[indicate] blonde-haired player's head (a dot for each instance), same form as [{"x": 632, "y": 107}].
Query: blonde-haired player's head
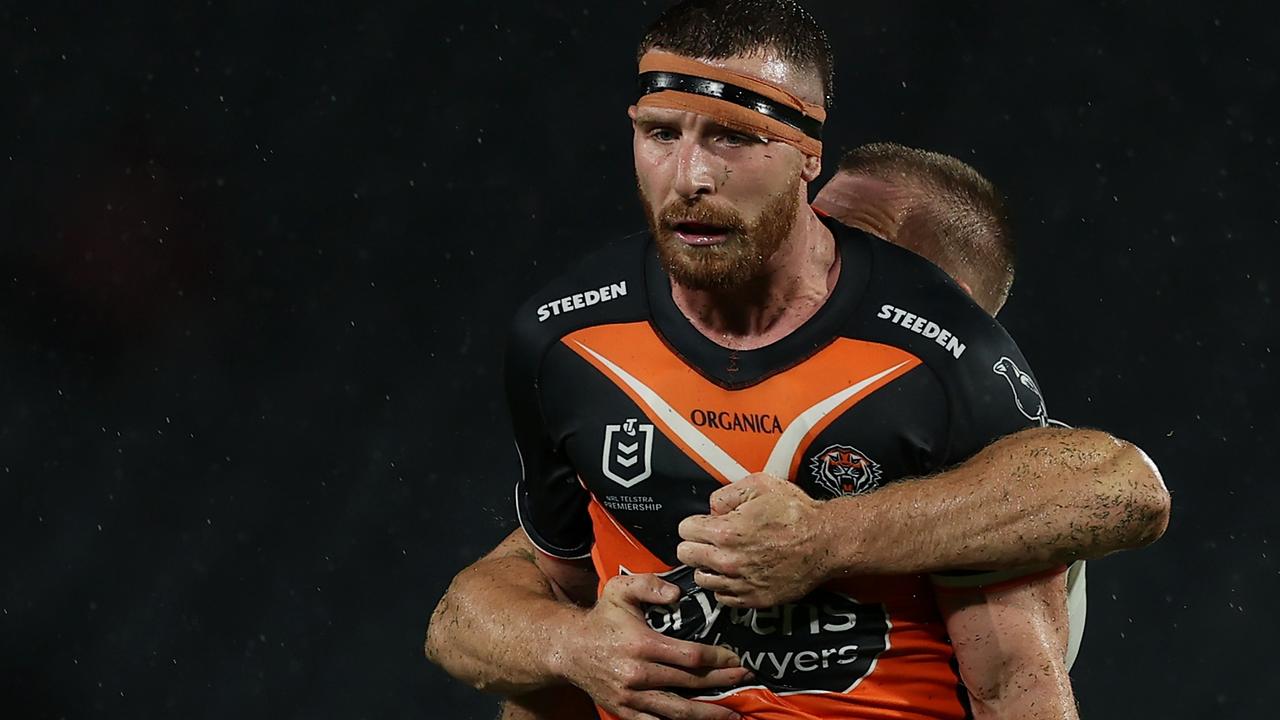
[{"x": 932, "y": 204}]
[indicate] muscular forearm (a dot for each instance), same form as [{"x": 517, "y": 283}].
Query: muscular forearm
[
  {"x": 1041, "y": 496},
  {"x": 1010, "y": 647},
  {"x": 516, "y": 622},
  {"x": 1010, "y": 652},
  {"x": 501, "y": 626},
  {"x": 1032, "y": 693}
]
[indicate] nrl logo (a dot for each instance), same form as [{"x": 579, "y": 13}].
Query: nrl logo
[
  {"x": 628, "y": 452},
  {"x": 843, "y": 470}
]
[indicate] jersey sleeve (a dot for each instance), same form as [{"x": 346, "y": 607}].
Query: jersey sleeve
[
  {"x": 550, "y": 502},
  {"x": 991, "y": 393},
  {"x": 989, "y": 389}
]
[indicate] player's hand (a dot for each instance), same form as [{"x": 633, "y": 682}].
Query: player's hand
[
  {"x": 623, "y": 664},
  {"x": 764, "y": 543}
]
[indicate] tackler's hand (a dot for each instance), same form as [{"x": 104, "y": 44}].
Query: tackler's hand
[
  {"x": 765, "y": 543},
  {"x": 630, "y": 670}
]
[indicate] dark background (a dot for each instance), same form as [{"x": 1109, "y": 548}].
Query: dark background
[{"x": 257, "y": 262}]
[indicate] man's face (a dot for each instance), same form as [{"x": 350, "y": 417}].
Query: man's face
[{"x": 720, "y": 202}]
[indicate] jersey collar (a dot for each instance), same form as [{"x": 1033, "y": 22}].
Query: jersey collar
[{"x": 735, "y": 369}]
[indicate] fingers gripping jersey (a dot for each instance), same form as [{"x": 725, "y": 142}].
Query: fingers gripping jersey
[{"x": 627, "y": 419}]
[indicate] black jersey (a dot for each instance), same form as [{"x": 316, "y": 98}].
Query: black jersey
[{"x": 627, "y": 419}]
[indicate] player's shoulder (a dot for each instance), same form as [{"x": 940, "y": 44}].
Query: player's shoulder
[
  {"x": 603, "y": 287},
  {"x": 911, "y": 303}
]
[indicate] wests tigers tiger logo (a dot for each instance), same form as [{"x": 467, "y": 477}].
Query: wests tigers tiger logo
[{"x": 844, "y": 470}]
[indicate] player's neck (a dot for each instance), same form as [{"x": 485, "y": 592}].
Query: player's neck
[
  {"x": 799, "y": 280},
  {"x": 871, "y": 205},
  {"x": 877, "y": 224}
]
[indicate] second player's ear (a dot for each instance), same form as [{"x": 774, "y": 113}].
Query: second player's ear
[{"x": 811, "y": 169}]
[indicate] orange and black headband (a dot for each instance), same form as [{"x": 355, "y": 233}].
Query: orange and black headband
[{"x": 738, "y": 101}]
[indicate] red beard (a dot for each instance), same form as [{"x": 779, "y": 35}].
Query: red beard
[{"x": 743, "y": 254}]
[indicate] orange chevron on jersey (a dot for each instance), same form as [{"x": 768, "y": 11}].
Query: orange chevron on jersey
[{"x": 804, "y": 399}]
